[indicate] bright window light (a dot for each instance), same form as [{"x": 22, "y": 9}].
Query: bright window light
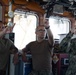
[
  {"x": 59, "y": 26},
  {"x": 24, "y": 29}
]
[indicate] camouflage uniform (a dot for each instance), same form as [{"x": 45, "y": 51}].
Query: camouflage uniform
[
  {"x": 69, "y": 45},
  {"x": 6, "y": 48}
]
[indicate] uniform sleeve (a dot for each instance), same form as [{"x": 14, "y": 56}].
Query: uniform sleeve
[
  {"x": 13, "y": 49},
  {"x": 27, "y": 48},
  {"x": 64, "y": 43}
]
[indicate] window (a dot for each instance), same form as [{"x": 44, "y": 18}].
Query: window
[
  {"x": 24, "y": 29},
  {"x": 59, "y": 26}
]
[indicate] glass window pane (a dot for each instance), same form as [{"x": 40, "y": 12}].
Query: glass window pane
[
  {"x": 59, "y": 26},
  {"x": 24, "y": 29}
]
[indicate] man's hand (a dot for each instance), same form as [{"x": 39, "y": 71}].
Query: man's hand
[
  {"x": 46, "y": 23},
  {"x": 3, "y": 32},
  {"x": 10, "y": 28},
  {"x": 16, "y": 58},
  {"x": 24, "y": 58}
]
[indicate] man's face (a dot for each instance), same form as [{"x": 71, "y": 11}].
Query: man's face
[{"x": 40, "y": 32}]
